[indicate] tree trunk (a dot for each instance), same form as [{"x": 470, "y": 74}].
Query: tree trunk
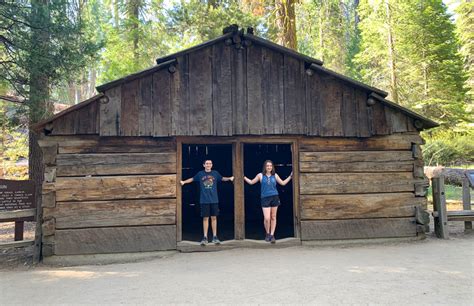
[
  {"x": 39, "y": 105},
  {"x": 286, "y": 23},
  {"x": 391, "y": 55}
]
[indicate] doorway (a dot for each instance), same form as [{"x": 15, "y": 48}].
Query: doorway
[
  {"x": 193, "y": 156},
  {"x": 254, "y": 156}
]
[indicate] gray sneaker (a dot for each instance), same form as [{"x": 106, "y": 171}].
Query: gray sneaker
[
  {"x": 272, "y": 239},
  {"x": 216, "y": 240},
  {"x": 204, "y": 241}
]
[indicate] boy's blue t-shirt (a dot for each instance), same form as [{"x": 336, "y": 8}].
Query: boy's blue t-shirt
[{"x": 208, "y": 186}]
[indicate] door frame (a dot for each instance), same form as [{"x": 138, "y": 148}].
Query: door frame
[{"x": 238, "y": 143}]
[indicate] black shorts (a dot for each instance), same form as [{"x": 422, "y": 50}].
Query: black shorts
[
  {"x": 271, "y": 201},
  {"x": 209, "y": 209}
]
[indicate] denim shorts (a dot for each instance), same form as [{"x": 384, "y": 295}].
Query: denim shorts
[{"x": 271, "y": 201}]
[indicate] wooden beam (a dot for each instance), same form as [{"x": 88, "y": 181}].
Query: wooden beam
[
  {"x": 15, "y": 214},
  {"x": 179, "y": 197},
  {"x": 16, "y": 244},
  {"x": 239, "y": 205},
  {"x": 439, "y": 206},
  {"x": 466, "y": 199},
  {"x": 358, "y": 228}
]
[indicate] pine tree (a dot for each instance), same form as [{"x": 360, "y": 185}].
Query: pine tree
[{"x": 465, "y": 32}]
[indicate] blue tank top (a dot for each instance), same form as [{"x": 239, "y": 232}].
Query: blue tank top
[{"x": 268, "y": 186}]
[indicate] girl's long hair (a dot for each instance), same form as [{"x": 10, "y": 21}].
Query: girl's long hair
[{"x": 264, "y": 171}]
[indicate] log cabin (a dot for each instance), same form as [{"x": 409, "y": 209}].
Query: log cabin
[{"x": 113, "y": 162}]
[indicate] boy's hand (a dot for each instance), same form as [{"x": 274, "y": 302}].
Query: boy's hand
[
  {"x": 231, "y": 178},
  {"x": 182, "y": 183}
]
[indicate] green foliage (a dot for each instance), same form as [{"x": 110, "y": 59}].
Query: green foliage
[
  {"x": 327, "y": 30},
  {"x": 196, "y": 21},
  {"x": 449, "y": 147},
  {"x": 465, "y": 33}
]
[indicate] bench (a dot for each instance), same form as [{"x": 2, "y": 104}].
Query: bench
[{"x": 441, "y": 216}]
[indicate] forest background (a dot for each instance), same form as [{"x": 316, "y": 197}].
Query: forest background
[{"x": 57, "y": 51}]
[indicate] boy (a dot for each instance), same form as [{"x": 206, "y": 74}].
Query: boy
[{"x": 208, "y": 198}]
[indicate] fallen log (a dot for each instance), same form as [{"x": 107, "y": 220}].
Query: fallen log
[{"x": 452, "y": 176}]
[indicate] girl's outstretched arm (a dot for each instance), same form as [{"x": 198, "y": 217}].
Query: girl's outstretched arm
[
  {"x": 255, "y": 179},
  {"x": 283, "y": 182}
]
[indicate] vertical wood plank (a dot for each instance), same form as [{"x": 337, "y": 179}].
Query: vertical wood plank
[
  {"x": 398, "y": 120},
  {"x": 180, "y": 98},
  {"x": 179, "y": 204},
  {"x": 110, "y": 112},
  {"x": 296, "y": 188},
  {"x": 272, "y": 88},
  {"x": 200, "y": 92},
  {"x": 349, "y": 111},
  {"x": 439, "y": 205},
  {"x": 221, "y": 90},
  {"x": 362, "y": 114},
  {"x": 313, "y": 104},
  {"x": 331, "y": 103},
  {"x": 145, "y": 111},
  {"x": 239, "y": 208},
  {"x": 161, "y": 103},
  {"x": 295, "y": 120},
  {"x": 254, "y": 89},
  {"x": 239, "y": 92},
  {"x": 466, "y": 200},
  {"x": 129, "y": 109},
  {"x": 379, "y": 120}
]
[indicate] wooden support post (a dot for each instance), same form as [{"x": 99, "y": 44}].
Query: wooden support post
[
  {"x": 239, "y": 208},
  {"x": 466, "y": 200},
  {"x": 19, "y": 229},
  {"x": 439, "y": 206}
]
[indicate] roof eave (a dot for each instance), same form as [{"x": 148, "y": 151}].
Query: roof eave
[{"x": 427, "y": 123}]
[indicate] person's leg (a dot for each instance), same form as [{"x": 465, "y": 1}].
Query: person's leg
[
  {"x": 205, "y": 225},
  {"x": 214, "y": 225},
  {"x": 266, "y": 219},
  {"x": 273, "y": 219}
]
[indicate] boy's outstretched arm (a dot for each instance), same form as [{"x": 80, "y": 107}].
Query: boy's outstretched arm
[
  {"x": 189, "y": 180},
  {"x": 228, "y": 178}
]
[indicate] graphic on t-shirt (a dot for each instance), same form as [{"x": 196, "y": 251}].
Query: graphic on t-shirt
[{"x": 208, "y": 181}]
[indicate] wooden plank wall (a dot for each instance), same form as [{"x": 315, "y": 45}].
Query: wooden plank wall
[
  {"x": 108, "y": 194},
  {"x": 82, "y": 121},
  {"x": 360, "y": 188},
  {"x": 222, "y": 91}
]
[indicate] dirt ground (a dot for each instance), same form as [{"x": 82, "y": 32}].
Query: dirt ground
[{"x": 430, "y": 271}]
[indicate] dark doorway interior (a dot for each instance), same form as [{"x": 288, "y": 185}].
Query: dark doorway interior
[
  {"x": 193, "y": 156},
  {"x": 254, "y": 156}
]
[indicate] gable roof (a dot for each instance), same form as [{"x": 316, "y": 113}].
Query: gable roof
[{"x": 238, "y": 37}]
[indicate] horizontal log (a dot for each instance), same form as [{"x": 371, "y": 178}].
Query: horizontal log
[
  {"x": 359, "y": 206},
  {"x": 356, "y": 156},
  {"x": 119, "y": 163},
  {"x": 337, "y": 183},
  {"x": 358, "y": 228},
  {"x": 391, "y": 142},
  {"x": 115, "y": 187},
  {"x": 458, "y": 215},
  {"x": 115, "y": 240},
  {"x": 15, "y": 214},
  {"x": 16, "y": 244},
  {"x": 115, "y": 213},
  {"x": 96, "y": 144},
  {"x": 405, "y": 166}
]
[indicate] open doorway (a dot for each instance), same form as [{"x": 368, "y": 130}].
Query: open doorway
[
  {"x": 254, "y": 156},
  {"x": 193, "y": 156}
]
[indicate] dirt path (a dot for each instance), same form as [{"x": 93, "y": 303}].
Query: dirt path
[{"x": 422, "y": 272}]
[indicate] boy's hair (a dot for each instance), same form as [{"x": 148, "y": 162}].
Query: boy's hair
[{"x": 205, "y": 160}]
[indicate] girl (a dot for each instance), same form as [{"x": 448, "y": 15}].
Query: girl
[{"x": 269, "y": 196}]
